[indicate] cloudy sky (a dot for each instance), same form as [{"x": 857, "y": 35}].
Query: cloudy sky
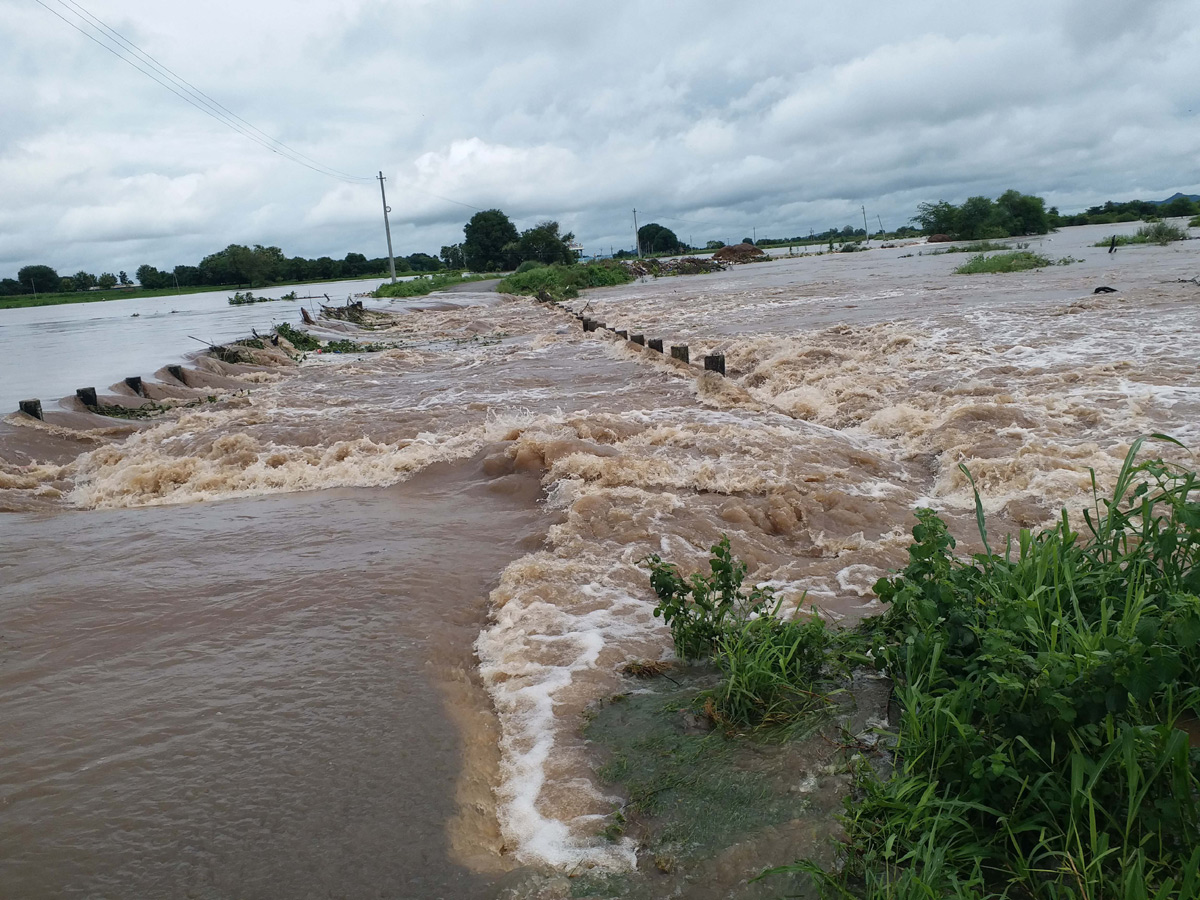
[{"x": 713, "y": 118}]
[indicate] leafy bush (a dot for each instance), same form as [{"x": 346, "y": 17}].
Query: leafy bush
[
  {"x": 301, "y": 340},
  {"x": 424, "y": 284},
  {"x": 1156, "y": 233},
  {"x": 1038, "y": 753},
  {"x": 1194, "y": 222},
  {"x": 700, "y": 610},
  {"x": 1162, "y": 233},
  {"x": 1017, "y": 261},
  {"x": 528, "y": 265},
  {"x": 769, "y": 665},
  {"x": 562, "y": 282}
]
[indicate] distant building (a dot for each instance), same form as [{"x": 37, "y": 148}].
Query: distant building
[{"x": 577, "y": 249}]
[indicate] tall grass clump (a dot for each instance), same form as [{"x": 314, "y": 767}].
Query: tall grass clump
[
  {"x": 563, "y": 282},
  {"x": 770, "y": 666},
  {"x": 1194, "y": 222},
  {"x": 1040, "y": 689},
  {"x": 1017, "y": 261},
  {"x": 1161, "y": 233},
  {"x": 425, "y": 284}
]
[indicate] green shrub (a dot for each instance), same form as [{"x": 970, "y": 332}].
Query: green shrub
[
  {"x": 1195, "y": 222},
  {"x": 528, "y": 266},
  {"x": 700, "y": 610},
  {"x": 1017, "y": 261},
  {"x": 424, "y": 284},
  {"x": 562, "y": 282},
  {"x": 1156, "y": 233},
  {"x": 1038, "y": 753},
  {"x": 301, "y": 340},
  {"x": 1161, "y": 233}
]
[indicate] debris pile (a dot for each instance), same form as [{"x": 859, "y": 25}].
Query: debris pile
[
  {"x": 684, "y": 265},
  {"x": 739, "y": 253}
]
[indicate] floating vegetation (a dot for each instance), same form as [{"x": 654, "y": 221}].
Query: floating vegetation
[
  {"x": 240, "y": 299},
  {"x": 1017, "y": 261},
  {"x": 301, "y": 340},
  {"x": 1160, "y": 233},
  {"x": 149, "y": 410}
]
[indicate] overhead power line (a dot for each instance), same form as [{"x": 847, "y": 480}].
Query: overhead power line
[{"x": 125, "y": 50}]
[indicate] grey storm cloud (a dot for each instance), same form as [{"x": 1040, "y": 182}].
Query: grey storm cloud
[{"x": 713, "y": 118}]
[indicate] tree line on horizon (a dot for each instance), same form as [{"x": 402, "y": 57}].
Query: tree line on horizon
[{"x": 492, "y": 243}]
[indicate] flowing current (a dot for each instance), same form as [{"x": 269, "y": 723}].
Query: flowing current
[{"x": 329, "y": 628}]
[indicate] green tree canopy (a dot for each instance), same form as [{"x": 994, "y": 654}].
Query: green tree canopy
[
  {"x": 485, "y": 237},
  {"x": 655, "y": 238},
  {"x": 544, "y": 244},
  {"x": 41, "y": 278}
]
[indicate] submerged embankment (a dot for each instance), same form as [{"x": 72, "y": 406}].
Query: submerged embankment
[{"x": 856, "y": 384}]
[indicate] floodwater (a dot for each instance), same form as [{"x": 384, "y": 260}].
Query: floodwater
[{"x": 333, "y": 633}]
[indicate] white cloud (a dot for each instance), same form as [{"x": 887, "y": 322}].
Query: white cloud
[{"x": 720, "y": 117}]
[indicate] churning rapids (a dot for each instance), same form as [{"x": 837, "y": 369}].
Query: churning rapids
[{"x": 333, "y": 633}]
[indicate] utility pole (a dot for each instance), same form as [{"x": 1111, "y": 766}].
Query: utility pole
[
  {"x": 880, "y": 221},
  {"x": 34, "y": 286},
  {"x": 388, "y": 228},
  {"x": 637, "y": 237},
  {"x": 866, "y": 230},
  {"x": 754, "y": 235}
]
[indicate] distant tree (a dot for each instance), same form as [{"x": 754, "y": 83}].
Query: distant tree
[
  {"x": 937, "y": 218},
  {"x": 452, "y": 256},
  {"x": 1179, "y": 206},
  {"x": 422, "y": 262},
  {"x": 747, "y": 240},
  {"x": 714, "y": 245},
  {"x": 107, "y": 280},
  {"x": 10, "y": 287},
  {"x": 84, "y": 281},
  {"x": 655, "y": 238},
  {"x": 354, "y": 264},
  {"x": 124, "y": 279},
  {"x": 973, "y": 219},
  {"x": 485, "y": 237},
  {"x": 1022, "y": 214},
  {"x": 41, "y": 278},
  {"x": 184, "y": 276},
  {"x": 150, "y": 277},
  {"x": 66, "y": 285},
  {"x": 543, "y": 244}
]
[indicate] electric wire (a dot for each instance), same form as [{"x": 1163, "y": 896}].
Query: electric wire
[
  {"x": 281, "y": 149},
  {"x": 194, "y": 91}
]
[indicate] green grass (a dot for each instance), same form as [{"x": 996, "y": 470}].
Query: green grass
[
  {"x": 1194, "y": 222},
  {"x": 426, "y": 284},
  {"x": 1017, "y": 261},
  {"x": 563, "y": 282},
  {"x": 1160, "y": 233},
  {"x": 1040, "y": 689}
]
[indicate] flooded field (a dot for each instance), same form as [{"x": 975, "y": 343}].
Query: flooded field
[{"x": 335, "y": 626}]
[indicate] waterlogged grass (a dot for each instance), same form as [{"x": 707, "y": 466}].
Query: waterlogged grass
[
  {"x": 564, "y": 282},
  {"x": 425, "y": 284},
  {"x": 1018, "y": 261},
  {"x": 1040, "y": 689},
  {"x": 1161, "y": 233},
  {"x": 977, "y": 247},
  {"x": 1194, "y": 222}
]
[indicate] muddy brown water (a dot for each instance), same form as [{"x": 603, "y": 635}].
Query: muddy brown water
[
  {"x": 246, "y": 699},
  {"x": 401, "y": 578}
]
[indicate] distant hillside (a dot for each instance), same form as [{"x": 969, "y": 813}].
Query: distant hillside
[{"x": 1195, "y": 198}]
